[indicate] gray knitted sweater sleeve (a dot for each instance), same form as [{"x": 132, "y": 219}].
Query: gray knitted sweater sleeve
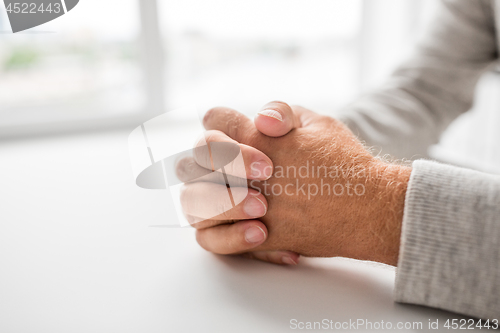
[
  {"x": 450, "y": 243},
  {"x": 450, "y": 249},
  {"x": 434, "y": 86}
]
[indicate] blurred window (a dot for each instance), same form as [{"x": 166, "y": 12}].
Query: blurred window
[
  {"x": 116, "y": 58},
  {"x": 245, "y": 53},
  {"x": 82, "y": 65}
]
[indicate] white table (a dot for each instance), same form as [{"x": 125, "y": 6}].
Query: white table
[{"x": 77, "y": 255}]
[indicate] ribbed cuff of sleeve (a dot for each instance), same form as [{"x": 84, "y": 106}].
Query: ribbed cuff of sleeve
[{"x": 450, "y": 242}]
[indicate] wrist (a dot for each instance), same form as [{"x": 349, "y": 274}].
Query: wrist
[
  {"x": 394, "y": 183},
  {"x": 383, "y": 213}
]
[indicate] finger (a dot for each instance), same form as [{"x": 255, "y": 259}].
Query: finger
[
  {"x": 236, "y": 125},
  {"x": 233, "y": 238},
  {"x": 200, "y": 223},
  {"x": 305, "y": 117},
  {"x": 213, "y": 201},
  {"x": 276, "y": 119},
  {"x": 188, "y": 171},
  {"x": 274, "y": 257},
  {"x": 253, "y": 165}
]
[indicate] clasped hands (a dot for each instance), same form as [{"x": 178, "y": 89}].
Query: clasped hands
[{"x": 312, "y": 189}]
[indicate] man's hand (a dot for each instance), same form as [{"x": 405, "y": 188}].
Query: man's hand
[{"x": 327, "y": 196}]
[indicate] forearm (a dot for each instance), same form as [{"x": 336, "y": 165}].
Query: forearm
[{"x": 395, "y": 184}]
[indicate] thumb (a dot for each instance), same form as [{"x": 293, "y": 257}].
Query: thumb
[
  {"x": 278, "y": 118},
  {"x": 275, "y": 119}
]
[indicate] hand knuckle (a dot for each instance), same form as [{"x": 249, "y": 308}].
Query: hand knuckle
[
  {"x": 200, "y": 238},
  {"x": 211, "y": 114},
  {"x": 221, "y": 207},
  {"x": 184, "y": 169},
  {"x": 208, "y": 115},
  {"x": 185, "y": 195}
]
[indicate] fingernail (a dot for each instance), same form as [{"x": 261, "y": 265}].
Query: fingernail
[
  {"x": 271, "y": 113},
  {"x": 288, "y": 261},
  {"x": 254, "y": 235},
  {"x": 261, "y": 170},
  {"x": 254, "y": 207}
]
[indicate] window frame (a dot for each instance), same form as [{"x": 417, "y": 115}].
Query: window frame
[{"x": 152, "y": 65}]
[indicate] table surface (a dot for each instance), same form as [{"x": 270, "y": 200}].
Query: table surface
[{"x": 77, "y": 254}]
